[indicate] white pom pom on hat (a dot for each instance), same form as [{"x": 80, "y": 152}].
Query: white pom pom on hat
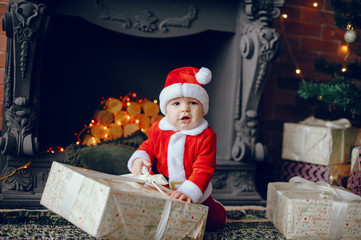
[
  {"x": 186, "y": 82},
  {"x": 204, "y": 76}
]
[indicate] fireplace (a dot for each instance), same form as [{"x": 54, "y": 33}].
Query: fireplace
[{"x": 64, "y": 56}]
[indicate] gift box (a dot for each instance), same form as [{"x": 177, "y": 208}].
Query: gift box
[
  {"x": 355, "y": 155},
  {"x": 302, "y": 209},
  {"x": 318, "y": 142},
  {"x": 116, "y": 207},
  {"x": 336, "y": 174},
  {"x": 354, "y": 181}
]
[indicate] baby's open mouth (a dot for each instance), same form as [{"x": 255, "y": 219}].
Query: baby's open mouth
[{"x": 185, "y": 118}]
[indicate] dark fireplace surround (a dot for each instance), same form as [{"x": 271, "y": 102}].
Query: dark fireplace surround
[{"x": 62, "y": 57}]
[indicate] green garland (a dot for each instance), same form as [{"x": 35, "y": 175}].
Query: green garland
[{"x": 346, "y": 95}]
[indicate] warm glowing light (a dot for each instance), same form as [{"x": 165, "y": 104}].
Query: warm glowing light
[
  {"x": 344, "y": 48},
  {"x": 128, "y": 117},
  {"x": 315, "y": 4},
  {"x": 119, "y": 123},
  {"x": 92, "y": 121},
  {"x": 128, "y": 103},
  {"x": 105, "y": 128},
  {"x": 52, "y": 151},
  {"x": 155, "y": 101},
  {"x": 298, "y": 71},
  {"x": 77, "y": 143},
  {"x": 344, "y": 69},
  {"x": 61, "y": 149},
  {"x": 134, "y": 95},
  {"x": 284, "y": 15},
  {"x": 137, "y": 121},
  {"x": 91, "y": 124}
]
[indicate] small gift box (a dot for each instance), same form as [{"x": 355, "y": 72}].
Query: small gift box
[
  {"x": 318, "y": 141},
  {"x": 355, "y": 155},
  {"x": 354, "y": 181},
  {"x": 117, "y": 207},
  {"x": 336, "y": 174},
  {"x": 302, "y": 209}
]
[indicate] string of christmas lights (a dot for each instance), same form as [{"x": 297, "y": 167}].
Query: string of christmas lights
[
  {"x": 17, "y": 169},
  {"x": 350, "y": 37}
]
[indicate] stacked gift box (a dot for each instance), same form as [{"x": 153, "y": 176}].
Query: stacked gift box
[
  {"x": 317, "y": 150},
  {"x": 311, "y": 201}
]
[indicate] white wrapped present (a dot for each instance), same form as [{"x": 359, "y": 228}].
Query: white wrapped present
[
  {"x": 110, "y": 206},
  {"x": 317, "y": 141},
  {"x": 306, "y": 210}
]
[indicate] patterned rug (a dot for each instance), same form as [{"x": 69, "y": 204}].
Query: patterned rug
[{"x": 243, "y": 223}]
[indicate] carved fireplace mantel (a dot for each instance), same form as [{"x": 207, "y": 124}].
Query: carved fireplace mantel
[{"x": 239, "y": 73}]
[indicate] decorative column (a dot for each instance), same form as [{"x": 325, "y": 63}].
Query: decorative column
[
  {"x": 24, "y": 25},
  {"x": 234, "y": 180}
]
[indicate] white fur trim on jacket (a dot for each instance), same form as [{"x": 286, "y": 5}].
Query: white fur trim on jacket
[
  {"x": 135, "y": 155},
  {"x": 183, "y": 90},
  {"x": 175, "y": 158},
  {"x": 193, "y": 191}
]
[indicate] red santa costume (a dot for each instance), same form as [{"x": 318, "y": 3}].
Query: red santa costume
[{"x": 188, "y": 157}]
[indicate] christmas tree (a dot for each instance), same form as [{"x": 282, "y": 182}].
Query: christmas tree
[{"x": 344, "y": 91}]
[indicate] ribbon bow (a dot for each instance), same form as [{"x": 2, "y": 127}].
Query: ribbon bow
[
  {"x": 340, "y": 202},
  {"x": 157, "y": 181},
  {"x": 340, "y": 123}
]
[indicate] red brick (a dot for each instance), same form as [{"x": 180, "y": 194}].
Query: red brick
[
  {"x": 293, "y": 12},
  {"x": 2, "y": 76},
  {"x": 290, "y": 113},
  {"x": 2, "y": 43},
  {"x": 3, "y": 8},
  {"x": 2, "y": 59},
  {"x": 279, "y": 96},
  {"x": 305, "y": 3},
  {"x": 333, "y": 32},
  {"x": 339, "y": 58},
  {"x": 319, "y": 45},
  {"x": 302, "y": 28},
  {"x": 315, "y": 15}
]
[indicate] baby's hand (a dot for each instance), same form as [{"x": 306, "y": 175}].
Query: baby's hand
[
  {"x": 180, "y": 195},
  {"x": 138, "y": 165}
]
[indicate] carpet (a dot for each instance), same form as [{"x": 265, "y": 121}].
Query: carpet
[{"x": 248, "y": 222}]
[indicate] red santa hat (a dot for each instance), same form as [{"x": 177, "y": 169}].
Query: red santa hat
[{"x": 186, "y": 82}]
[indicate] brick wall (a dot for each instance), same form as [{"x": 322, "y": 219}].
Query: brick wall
[
  {"x": 310, "y": 33},
  {"x": 3, "y": 8}
]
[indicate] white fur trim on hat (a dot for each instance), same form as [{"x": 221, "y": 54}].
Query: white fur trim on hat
[
  {"x": 183, "y": 90},
  {"x": 203, "y": 76}
]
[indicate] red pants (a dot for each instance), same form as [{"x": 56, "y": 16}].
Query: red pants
[{"x": 217, "y": 215}]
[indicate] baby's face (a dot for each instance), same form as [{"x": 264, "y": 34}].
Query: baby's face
[{"x": 184, "y": 113}]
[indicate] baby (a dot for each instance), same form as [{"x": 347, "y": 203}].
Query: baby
[{"x": 181, "y": 146}]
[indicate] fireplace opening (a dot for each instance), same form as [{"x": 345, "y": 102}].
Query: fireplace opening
[{"x": 82, "y": 63}]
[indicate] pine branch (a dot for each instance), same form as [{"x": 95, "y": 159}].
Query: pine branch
[
  {"x": 333, "y": 69},
  {"x": 346, "y": 95}
]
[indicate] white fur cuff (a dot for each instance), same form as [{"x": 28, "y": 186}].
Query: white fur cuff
[
  {"x": 137, "y": 154},
  {"x": 191, "y": 190}
]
